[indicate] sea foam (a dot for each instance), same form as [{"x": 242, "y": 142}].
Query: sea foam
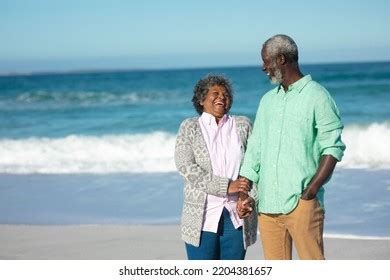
[
  {"x": 367, "y": 147},
  {"x": 46, "y": 100},
  {"x": 86, "y": 154}
]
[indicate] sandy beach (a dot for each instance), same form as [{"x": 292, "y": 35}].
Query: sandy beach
[
  {"x": 122, "y": 216},
  {"x": 150, "y": 242}
]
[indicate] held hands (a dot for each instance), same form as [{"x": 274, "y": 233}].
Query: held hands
[
  {"x": 245, "y": 206},
  {"x": 240, "y": 186},
  {"x": 245, "y": 203}
]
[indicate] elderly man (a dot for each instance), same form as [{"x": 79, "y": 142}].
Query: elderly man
[{"x": 291, "y": 154}]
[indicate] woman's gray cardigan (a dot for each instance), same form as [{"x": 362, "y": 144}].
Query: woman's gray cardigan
[{"x": 194, "y": 164}]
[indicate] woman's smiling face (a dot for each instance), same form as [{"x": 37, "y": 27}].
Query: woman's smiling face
[{"x": 216, "y": 101}]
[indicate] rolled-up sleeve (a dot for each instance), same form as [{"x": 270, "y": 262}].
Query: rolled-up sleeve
[{"x": 329, "y": 128}]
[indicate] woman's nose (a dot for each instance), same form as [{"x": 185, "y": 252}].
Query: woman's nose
[{"x": 221, "y": 95}]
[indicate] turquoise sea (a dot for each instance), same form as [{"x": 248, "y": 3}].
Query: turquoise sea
[{"x": 97, "y": 147}]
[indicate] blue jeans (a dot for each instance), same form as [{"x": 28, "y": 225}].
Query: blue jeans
[{"x": 226, "y": 244}]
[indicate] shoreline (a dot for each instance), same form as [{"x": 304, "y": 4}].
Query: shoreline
[
  {"x": 142, "y": 242},
  {"x": 127, "y": 199},
  {"x": 327, "y": 235}
]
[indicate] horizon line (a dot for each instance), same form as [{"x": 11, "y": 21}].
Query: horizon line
[{"x": 173, "y": 68}]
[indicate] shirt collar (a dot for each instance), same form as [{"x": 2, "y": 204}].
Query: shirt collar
[
  {"x": 210, "y": 119},
  {"x": 298, "y": 85}
]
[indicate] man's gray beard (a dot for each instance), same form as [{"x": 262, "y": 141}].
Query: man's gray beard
[{"x": 277, "y": 78}]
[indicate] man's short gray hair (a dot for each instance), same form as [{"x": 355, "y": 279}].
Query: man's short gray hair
[{"x": 282, "y": 44}]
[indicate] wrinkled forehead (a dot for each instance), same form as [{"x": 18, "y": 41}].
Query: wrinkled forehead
[{"x": 217, "y": 87}]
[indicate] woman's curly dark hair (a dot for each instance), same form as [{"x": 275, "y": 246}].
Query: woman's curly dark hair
[{"x": 203, "y": 86}]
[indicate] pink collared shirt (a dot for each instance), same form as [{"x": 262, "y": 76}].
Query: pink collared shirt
[{"x": 224, "y": 148}]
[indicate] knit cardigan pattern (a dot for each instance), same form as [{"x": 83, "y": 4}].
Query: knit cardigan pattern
[{"x": 193, "y": 162}]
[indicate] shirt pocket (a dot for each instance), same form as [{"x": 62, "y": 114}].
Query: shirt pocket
[{"x": 298, "y": 127}]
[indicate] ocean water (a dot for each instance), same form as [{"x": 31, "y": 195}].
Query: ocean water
[{"x": 61, "y": 127}]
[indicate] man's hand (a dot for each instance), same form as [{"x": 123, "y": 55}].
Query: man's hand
[
  {"x": 325, "y": 169},
  {"x": 308, "y": 194}
]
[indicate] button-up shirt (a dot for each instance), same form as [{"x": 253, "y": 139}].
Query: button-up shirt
[
  {"x": 224, "y": 148},
  {"x": 292, "y": 130}
]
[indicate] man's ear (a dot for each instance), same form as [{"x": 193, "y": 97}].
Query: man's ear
[{"x": 281, "y": 59}]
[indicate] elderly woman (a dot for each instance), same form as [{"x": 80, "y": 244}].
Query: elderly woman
[{"x": 218, "y": 221}]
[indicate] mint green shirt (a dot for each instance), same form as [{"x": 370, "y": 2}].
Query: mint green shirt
[{"x": 292, "y": 130}]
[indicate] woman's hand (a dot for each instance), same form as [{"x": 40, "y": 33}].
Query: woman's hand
[{"x": 241, "y": 185}]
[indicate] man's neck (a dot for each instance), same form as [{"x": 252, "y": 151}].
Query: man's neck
[{"x": 291, "y": 77}]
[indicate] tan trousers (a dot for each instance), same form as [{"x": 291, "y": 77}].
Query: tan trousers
[{"x": 304, "y": 225}]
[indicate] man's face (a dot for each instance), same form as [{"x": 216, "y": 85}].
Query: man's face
[{"x": 271, "y": 68}]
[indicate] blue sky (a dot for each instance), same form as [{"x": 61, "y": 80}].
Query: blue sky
[{"x": 53, "y": 35}]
